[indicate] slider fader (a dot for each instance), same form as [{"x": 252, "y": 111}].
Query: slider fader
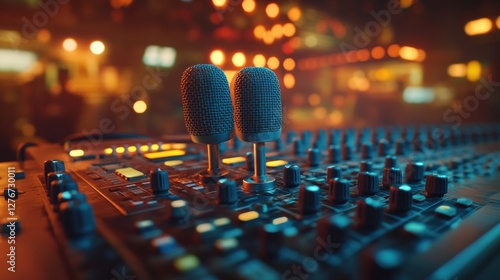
[{"x": 386, "y": 210}]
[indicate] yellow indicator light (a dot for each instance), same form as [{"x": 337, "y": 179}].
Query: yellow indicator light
[
  {"x": 76, "y": 153},
  {"x": 166, "y": 147},
  {"x": 154, "y": 147},
  {"x": 186, "y": 263},
  {"x": 144, "y": 148},
  {"x": 226, "y": 244},
  {"x": 248, "y": 216},
  {"x": 222, "y": 221},
  {"x": 233, "y": 160},
  {"x": 165, "y": 154},
  {"x": 276, "y": 163},
  {"x": 173, "y": 162},
  {"x": 202, "y": 228},
  {"x": 178, "y": 203},
  {"x": 280, "y": 220},
  {"x": 132, "y": 149},
  {"x": 120, "y": 150},
  {"x": 178, "y": 146},
  {"x": 129, "y": 173},
  {"x": 108, "y": 151}
]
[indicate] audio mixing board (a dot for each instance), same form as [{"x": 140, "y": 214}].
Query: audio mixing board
[{"x": 374, "y": 203}]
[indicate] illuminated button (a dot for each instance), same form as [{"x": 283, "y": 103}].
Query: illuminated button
[
  {"x": 172, "y": 163},
  {"x": 233, "y": 160},
  {"x": 276, "y": 163},
  {"x": 144, "y": 226},
  {"x": 178, "y": 211},
  {"x": 222, "y": 221},
  {"x": 164, "y": 244},
  {"x": 226, "y": 244},
  {"x": 248, "y": 216},
  {"x": 186, "y": 263},
  {"x": 446, "y": 211},
  {"x": 415, "y": 229},
  {"x": 463, "y": 202},
  {"x": 136, "y": 203},
  {"x": 418, "y": 197},
  {"x": 205, "y": 227},
  {"x": 280, "y": 220},
  {"x": 76, "y": 153},
  {"x": 129, "y": 173},
  {"x": 165, "y": 154}
]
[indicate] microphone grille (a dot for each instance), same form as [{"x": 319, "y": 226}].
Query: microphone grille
[
  {"x": 257, "y": 101},
  {"x": 206, "y": 101}
]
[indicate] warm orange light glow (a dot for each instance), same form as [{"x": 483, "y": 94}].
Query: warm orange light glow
[
  {"x": 478, "y": 26},
  {"x": 314, "y": 99},
  {"x": 272, "y": 10},
  {"x": 259, "y": 31},
  {"x": 382, "y": 74},
  {"x": 97, "y": 47},
  {"x": 311, "y": 41},
  {"x": 473, "y": 70},
  {"x": 458, "y": 70},
  {"x": 248, "y": 5},
  {"x": 498, "y": 22},
  {"x": 294, "y": 14},
  {"x": 393, "y": 50},
  {"x": 43, "y": 35},
  {"x": 69, "y": 44},
  {"x": 230, "y": 74},
  {"x": 217, "y": 57},
  {"x": 277, "y": 31},
  {"x": 378, "y": 52},
  {"x": 219, "y": 3},
  {"x": 421, "y": 55},
  {"x": 289, "y": 80},
  {"x": 405, "y": 3},
  {"x": 273, "y": 63},
  {"x": 408, "y": 53},
  {"x": 268, "y": 37},
  {"x": 259, "y": 60},
  {"x": 289, "y": 29},
  {"x": 363, "y": 55},
  {"x": 140, "y": 107},
  {"x": 239, "y": 59},
  {"x": 336, "y": 118},
  {"x": 289, "y": 64},
  {"x": 320, "y": 113}
]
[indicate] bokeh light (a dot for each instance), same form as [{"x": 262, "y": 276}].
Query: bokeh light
[{"x": 97, "y": 47}]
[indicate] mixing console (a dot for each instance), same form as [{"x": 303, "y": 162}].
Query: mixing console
[{"x": 371, "y": 203}]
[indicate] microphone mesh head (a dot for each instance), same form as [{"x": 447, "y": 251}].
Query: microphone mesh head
[
  {"x": 257, "y": 103},
  {"x": 206, "y": 101}
]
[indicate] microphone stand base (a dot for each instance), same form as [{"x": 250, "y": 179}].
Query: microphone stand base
[
  {"x": 250, "y": 185},
  {"x": 206, "y": 177}
]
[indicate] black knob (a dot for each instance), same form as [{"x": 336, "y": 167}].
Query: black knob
[
  {"x": 334, "y": 154},
  {"x": 400, "y": 147},
  {"x": 52, "y": 166},
  {"x": 309, "y": 199},
  {"x": 365, "y": 166},
  {"x": 347, "y": 152},
  {"x": 333, "y": 172},
  {"x": 338, "y": 191},
  {"x": 249, "y": 162},
  {"x": 56, "y": 176},
  {"x": 77, "y": 218},
  {"x": 366, "y": 151},
  {"x": 291, "y": 175},
  {"x": 313, "y": 157},
  {"x": 392, "y": 177},
  {"x": 227, "y": 192},
  {"x": 414, "y": 172},
  {"x": 297, "y": 146},
  {"x": 400, "y": 198},
  {"x": 178, "y": 211},
  {"x": 58, "y": 186},
  {"x": 368, "y": 213},
  {"x": 382, "y": 263},
  {"x": 68, "y": 196},
  {"x": 436, "y": 185},
  {"x": 159, "y": 180},
  {"x": 383, "y": 147},
  {"x": 390, "y": 162},
  {"x": 271, "y": 238},
  {"x": 367, "y": 183},
  {"x": 333, "y": 230}
]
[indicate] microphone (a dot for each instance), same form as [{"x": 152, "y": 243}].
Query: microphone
[
  {"x": 257, "y": 115},
  {"x": 208, "y": 113}
]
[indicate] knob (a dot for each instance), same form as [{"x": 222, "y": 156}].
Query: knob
[
  {"x": 334, "y": 154},
  {"x": 365, "y": 166},
  {"x": 383, "y": 147},
  {"x": 56, "y": 176},
  {"x": 414, "y": 172},
  {"x": 77, "y": 218},
  {"x": 400, "y": 147},
  {"x": 400, "y": 198},
  {"x": 333, "y": 230},
  {"x": 338, "y": 191},
  {"x": 390, "y": 162},
  {"x": 436, "y": 185},
  {"x": 271, "y": 238},
  {"x": 159, "y": 181},
  {"x": 313, "y": 157},
  {"x": 368, "y": 213},
  {"x": 309, "y": 200},
  {"x": 278, "y": 144},
  {"x": 298, "y": 147},
  {"x": 291, "y": 175},
  {"x": 178, "y": 211},
  {"x": 347, "y": 151},
  {"x": 52, "y": 166},
  {"x": 227, "y": 192},
  {"x": 333, "y": 172},
  {"x": 366, "y": 151},
  {"x": 392, "y": 177},
  {"x": 59, "y": 186},
  {"x": 249, "y": 163},
  {"x": 68, "y": 196},
  {"x": 367, "y": 183},
  {"x": 382, "y": 263}
]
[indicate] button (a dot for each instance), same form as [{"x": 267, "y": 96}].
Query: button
[
  {"x": 418, "y": 197},
  {"x": 291, "y": 175},
  {"x": 178, "y": 211},
  {"x": 129, "y": 173},
  {"x": 186, "y": 263},
  {"x": 446, "y": 211},
  {"x": 164, "y": 244},
  {"x": 464, "y": 202},
  {"x": 415, "y": 229}
]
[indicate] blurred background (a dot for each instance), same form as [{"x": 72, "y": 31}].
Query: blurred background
[{"x": 114, "y": 66}]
